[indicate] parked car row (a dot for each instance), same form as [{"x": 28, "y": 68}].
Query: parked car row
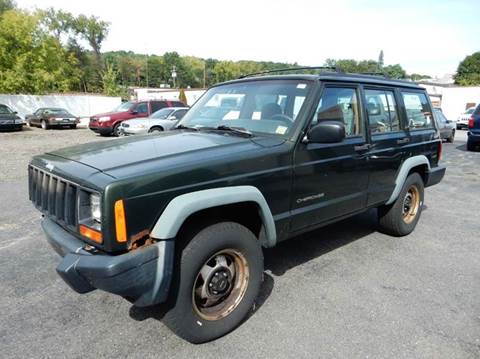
[{"x": 107, "y": 124}]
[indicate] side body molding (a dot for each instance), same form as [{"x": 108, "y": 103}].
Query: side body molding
[
  {"x": 403, "y": 173},
  {"x": 178, "y": 210}
]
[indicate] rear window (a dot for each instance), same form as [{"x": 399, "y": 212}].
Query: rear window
[
  {"x": 419, "y": 113},
  {"x": 477, "y": 111}
]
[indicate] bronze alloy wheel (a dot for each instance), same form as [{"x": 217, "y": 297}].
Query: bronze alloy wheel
[
  {"x": 411, "y": 204},
  {"x": 220, "y": 284}
]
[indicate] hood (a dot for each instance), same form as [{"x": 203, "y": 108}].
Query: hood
[
  {"x": 113, "y": 115},
  {"x": 129, "y": 156}
]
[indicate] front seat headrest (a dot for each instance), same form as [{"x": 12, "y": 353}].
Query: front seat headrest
[{"x": 269, "y": 110}]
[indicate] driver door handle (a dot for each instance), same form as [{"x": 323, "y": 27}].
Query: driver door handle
[
  {"x": 364, "y": 147},
  {"x": 403, "y": 140}
]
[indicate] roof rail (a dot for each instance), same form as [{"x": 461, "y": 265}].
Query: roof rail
[{"x": 332, "y": 68}]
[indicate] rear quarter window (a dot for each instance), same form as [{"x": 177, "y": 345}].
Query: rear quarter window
[{"x": 419, "y": 112}]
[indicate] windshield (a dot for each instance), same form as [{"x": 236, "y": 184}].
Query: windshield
[
  {"x": 162, "y": 114},
  {"x": 124, "y": 107},
  {"x": 4, "y": 110},
  {"x": 264, "y": 106}
]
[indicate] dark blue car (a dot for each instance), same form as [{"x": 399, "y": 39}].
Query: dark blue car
[{"x": 474, "y": 130}]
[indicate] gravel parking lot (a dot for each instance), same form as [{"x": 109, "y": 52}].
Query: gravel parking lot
[{"x": 345, "y": 291}]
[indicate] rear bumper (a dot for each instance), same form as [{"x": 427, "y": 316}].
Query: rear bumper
[
  {"x": 435, "y": 175},
  {"x": 473, "y": 137},
  {"x": 142, "y": 275}
]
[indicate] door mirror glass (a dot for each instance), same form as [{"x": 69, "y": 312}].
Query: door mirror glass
[{"x": 327, "y": 132}]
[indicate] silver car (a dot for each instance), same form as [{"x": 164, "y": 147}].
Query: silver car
[{"x": 162, "y": 120}]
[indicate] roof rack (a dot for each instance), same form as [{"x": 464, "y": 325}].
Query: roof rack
[{"x": 332, "y": 68}]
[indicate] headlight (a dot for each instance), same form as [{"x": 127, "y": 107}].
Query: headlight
[
  {"x": 95, "y": 209},
  {"x": 90, "y": 210},
  {"x": 104, "y": 119}
]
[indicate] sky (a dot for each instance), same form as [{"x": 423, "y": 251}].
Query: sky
[{"x": 424, "y": 36}]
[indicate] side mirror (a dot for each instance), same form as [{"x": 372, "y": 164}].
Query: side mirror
[
  {"x": 15, "y": 112},
  {"x": 326, "y": 132}
]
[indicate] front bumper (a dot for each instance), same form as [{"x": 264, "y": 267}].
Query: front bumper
[
  {"x": 11, "y": 126},
  {"x": 435, "y": 175},
  {"x": 142, "y": 275},
  {"x": 134, "y": 131},
  {"x": 107, "y": 130}
]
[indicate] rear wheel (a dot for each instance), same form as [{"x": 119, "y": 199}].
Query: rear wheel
[
  {"x": 44, "y": 125},
  {"x": 401, "y": 217},
  {"x": 73, "y": 127},
  {"x": 470, "y": 146},
  {"x": 216, "y": 282}
]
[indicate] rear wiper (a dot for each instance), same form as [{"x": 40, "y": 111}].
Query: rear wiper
[
  {"x": 183, "y": 127},
  {"x": 237, "y": 130}
]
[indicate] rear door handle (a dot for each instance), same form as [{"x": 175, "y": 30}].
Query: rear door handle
[
  {"x": 364, "y": 147},
  {"x": 403, "y": 140}
]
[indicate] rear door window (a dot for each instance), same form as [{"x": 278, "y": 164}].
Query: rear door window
[
  {"x": 419, "y": 113},
  {"x": 382, "y": 111},
  {"x": 157, "y": 105}
]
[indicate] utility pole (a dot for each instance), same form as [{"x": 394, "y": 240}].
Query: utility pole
[
  {"x": 146, "y": 66},
  {"x": 174, "y": 75}
]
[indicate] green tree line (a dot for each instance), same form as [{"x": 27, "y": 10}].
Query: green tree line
[{"x": 50, "y": 50}]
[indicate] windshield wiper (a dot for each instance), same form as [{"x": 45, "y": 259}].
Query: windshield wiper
[
  {"x": 183, "y": 127},
  {"x": 237, "y": 130}
]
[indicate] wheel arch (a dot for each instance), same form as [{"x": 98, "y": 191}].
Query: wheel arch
[
  {"x": 223, "y": 202},
  {"x": 155, "y": 127},
  {"x": 419, "y": 164}
]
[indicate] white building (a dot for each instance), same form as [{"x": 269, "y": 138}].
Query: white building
[
  {"x": 165, "y": 94},
  {"x": 453, "y": 100}
]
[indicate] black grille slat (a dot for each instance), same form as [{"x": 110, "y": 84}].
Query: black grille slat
[
  {"x": 53, "y": 196},
  {"x": 60, "y": 200}
]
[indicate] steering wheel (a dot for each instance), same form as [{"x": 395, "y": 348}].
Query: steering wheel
[{"x": 282, "y": 118}]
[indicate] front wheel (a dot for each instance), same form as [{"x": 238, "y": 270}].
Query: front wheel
[
  {"x": 44, "y": 125},
  {"x": 401, "y": 217},
  {"x": 116, "y": 130},
  {"x": 216, "y": 282}
]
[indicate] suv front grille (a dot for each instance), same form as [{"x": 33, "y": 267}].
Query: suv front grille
[{"x": 53, "y": 196}]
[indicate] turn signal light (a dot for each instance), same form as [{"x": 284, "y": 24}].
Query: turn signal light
[
  {"x": 120, "y": 223},
  {"x": 90, "y": 233}
]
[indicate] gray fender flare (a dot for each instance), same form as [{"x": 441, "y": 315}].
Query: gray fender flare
[
  {"x": 178, "y": 210},
  {"x": 403, "y": 173}
]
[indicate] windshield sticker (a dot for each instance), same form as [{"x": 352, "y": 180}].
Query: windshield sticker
[
  {"x": 281, "y": 130},
  {"x": 302, "y": 86}
]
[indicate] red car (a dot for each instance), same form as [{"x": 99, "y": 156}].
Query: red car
[{"x": 109, "y": 123}]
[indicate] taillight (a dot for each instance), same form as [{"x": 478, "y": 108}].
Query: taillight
[
  {"x": 471, "y": 122},
  {"x": 439, "y": 150}
]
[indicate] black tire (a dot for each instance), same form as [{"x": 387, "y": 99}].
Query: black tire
[
  {"x": 44, "y": 125},
  {"x": 470, "y": 146},
  {"x": 451, "y": 138},
  {"x": 392, "y": 218},
  {"x": 115, "y": 130},
  {"x": 155, "y": 129},
  {"x": 73, "y": 127},
  {"x": 184, "y": 315}
]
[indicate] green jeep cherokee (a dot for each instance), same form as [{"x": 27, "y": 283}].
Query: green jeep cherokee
[{"x": 181, "y": 217}]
